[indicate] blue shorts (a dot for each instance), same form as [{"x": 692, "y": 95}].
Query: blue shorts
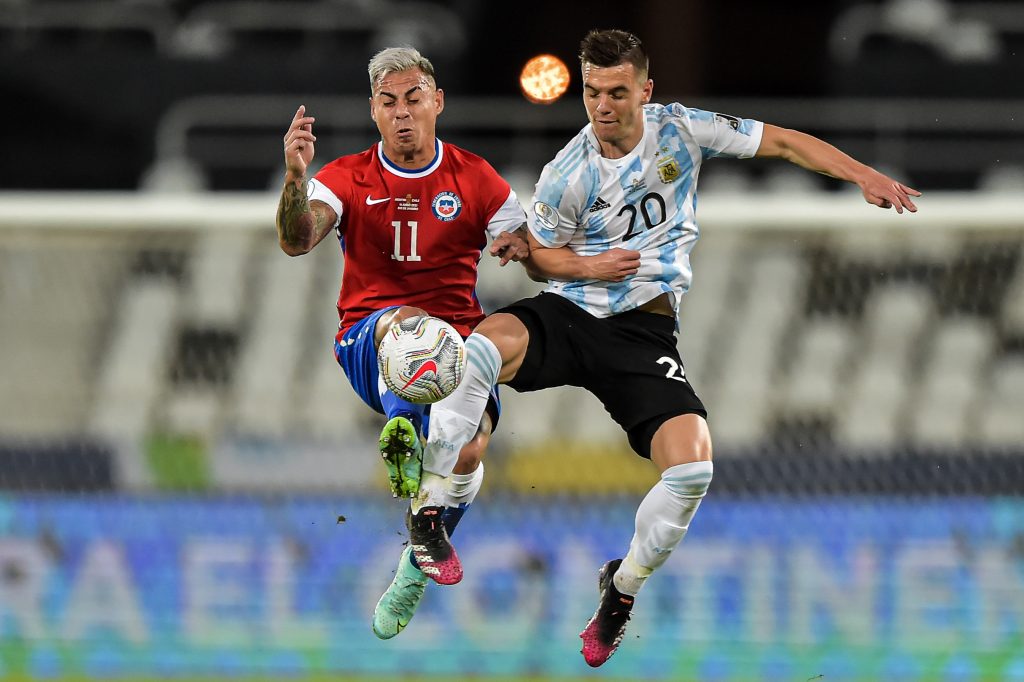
[{"x": 357, "y": 355}]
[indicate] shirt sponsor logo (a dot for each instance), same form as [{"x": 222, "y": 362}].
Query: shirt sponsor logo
[
  {"x": 599, "y": 205},
  {"x": 547, "y": 215},
  {"x": 370, "y": 201},
  {"x": 446, "y": 206}
]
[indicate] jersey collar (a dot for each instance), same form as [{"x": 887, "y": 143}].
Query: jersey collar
[{"x": 394, "y": 169}]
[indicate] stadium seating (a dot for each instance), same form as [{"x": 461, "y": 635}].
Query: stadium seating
[{"x": 811, "y": 340}]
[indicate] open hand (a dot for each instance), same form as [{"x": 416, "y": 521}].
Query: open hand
[{"x": 883, "y": 191}]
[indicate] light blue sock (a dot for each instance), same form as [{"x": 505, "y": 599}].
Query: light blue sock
[
  {"x": 662, "y": 520},
  {"x": 455, "y": 419}
]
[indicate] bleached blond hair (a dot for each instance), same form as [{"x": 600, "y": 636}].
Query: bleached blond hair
[{"x": 396, "y": 59}]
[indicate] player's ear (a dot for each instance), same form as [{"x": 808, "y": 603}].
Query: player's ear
[
  {"x": 373, "y": 114},
  {"x": 439, "y": 100},
  {"x": 648, "y": 91}
]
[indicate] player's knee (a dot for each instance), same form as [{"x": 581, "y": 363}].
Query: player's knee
[
  {"x": 510, "y": 336},
  {"x": 384, "y": 322},
  {"x": 682, "y": 439},
  {"x": 404, "y": 312},
  {"x": 502, "y": 329},
  {"x": 699, "y": 440},
  {"x": 703, "y": 445}
]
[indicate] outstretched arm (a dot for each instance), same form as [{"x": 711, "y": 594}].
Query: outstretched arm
[
  {"x": 300, "y": 224},
  {"x": 817, "y": 155},
  {"x": 564, "y": 264}
]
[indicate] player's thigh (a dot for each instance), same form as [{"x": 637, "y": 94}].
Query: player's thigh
[
  {"x": 643, "y": 404},
  {"x": 636, "y": 372},
  {"x": 551, "y": 356},
  {"x": 356, "y": 352}
]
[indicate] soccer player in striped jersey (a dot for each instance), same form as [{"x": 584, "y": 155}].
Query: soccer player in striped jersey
[{"x": 622, "y": 197}]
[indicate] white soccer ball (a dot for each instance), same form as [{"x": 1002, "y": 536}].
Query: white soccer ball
[{"x": 422, "y": 359}]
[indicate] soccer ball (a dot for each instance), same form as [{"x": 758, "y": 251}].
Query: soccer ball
[{"x": 422, "y": 359}]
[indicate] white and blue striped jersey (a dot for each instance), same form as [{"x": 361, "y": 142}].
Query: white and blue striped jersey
[{"x": 644, "y": 201}]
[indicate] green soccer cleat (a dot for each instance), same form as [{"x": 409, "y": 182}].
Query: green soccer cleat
[
  {"x": 403, "y": 456},
  {"x": 398, "y": 603}
]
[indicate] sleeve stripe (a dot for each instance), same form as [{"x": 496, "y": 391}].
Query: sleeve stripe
[
  {"x": 509, "y": 216},
  {"x": 318, "y": 191}
]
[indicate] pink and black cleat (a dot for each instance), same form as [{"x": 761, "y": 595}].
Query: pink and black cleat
[
  {"x": 606, "y": 629},
  {"x": 431, "y": 547}
]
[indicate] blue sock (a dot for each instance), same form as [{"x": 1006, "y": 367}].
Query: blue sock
[
  {"x": 395, "y": 407},
  {"x": 450, "y": 517}
]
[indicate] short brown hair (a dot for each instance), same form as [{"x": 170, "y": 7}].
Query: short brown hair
[{"x": 612, "y": 47}]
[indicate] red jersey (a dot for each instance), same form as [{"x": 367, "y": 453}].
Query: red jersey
[{"x": 414, "y": 237}]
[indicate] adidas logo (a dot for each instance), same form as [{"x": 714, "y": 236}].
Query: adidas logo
[{"x": 599, "y": 205}]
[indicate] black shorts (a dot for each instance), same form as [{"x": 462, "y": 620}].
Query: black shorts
[{"x": 628, "y": 361}]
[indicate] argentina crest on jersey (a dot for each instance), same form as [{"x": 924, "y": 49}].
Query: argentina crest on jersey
[
  {"x": 669, "y": 170},
  {"x": 446, "y": 206}
]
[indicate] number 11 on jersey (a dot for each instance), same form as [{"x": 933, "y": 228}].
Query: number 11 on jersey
[{"x": 397, "y": 254}]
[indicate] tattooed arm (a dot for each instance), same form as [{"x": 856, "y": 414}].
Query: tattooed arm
[{"x": 300, "y": 224}]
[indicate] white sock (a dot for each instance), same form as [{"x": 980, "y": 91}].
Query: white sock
[
  {"x": 662, "y": 520},
  {"x": 433, "y": 492},
  {"x": 454, "y": 420},
  {"x": 462, "y": 488}
]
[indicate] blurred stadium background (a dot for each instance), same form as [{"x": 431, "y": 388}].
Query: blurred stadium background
[{"x": 190, "y": 488}]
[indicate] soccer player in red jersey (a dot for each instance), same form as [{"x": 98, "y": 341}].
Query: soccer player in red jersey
[{"x": 412, "y": 214}]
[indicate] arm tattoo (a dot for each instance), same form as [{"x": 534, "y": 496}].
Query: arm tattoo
[{"x": 299, "y": 226}]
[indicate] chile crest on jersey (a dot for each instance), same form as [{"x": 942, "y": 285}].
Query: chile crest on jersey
[{"x": 446, "y": 206}]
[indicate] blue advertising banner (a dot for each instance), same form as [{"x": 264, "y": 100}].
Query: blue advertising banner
[{"x": 766, "y": 589}]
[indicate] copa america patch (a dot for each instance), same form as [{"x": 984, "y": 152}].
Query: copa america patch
[
  {"x": 446, "y": 206},
  {"x": 547, "y": 215}
]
